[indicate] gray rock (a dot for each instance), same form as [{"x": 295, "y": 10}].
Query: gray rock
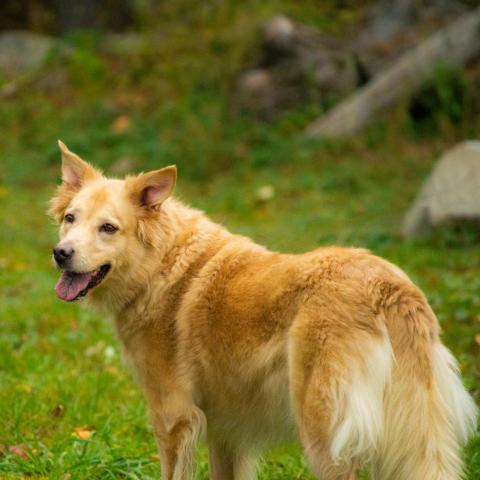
[
  {"x": 22, "y": 51},
  {"x": 280, "y": 31},
  {"x": 294, "y": 63},
  {"x": 450, "y": 194}
]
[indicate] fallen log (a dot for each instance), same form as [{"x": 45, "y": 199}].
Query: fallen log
[{"x": 454, "y": 45}]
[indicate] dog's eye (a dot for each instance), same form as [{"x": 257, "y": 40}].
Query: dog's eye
[
  {"x": 69, "y": 218},
  {"x": 108, "y": 228}
]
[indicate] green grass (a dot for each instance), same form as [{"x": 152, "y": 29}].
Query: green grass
[{"x": 58, "y": 371}]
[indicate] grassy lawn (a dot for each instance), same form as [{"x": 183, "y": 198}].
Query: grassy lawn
[
  {"x": 59, "y": 364},
  {"x": 67, "y": 404}
]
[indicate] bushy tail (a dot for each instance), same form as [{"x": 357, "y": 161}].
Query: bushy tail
[{"x": 428, "y": 414}]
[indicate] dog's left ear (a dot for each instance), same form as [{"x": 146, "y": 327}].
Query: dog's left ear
[{"x": 151, "y": 189}]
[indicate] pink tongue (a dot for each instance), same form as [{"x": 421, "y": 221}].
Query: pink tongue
[{"x": 70, "y": 285}]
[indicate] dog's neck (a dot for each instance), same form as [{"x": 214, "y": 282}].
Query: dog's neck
[{"x": 183, "y": 235}]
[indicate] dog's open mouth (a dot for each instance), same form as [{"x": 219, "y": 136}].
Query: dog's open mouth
[{"x": 72, "y": 285}]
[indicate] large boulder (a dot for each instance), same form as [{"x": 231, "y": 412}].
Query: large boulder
[{"x": 450, "y": 194}]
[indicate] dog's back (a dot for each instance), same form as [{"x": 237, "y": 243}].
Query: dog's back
[{"x": 336, "y": 344}]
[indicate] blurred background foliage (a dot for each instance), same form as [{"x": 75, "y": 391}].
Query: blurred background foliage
[
  {"x": 136, "y": 85},
  {"x": 173, "y": 76}
]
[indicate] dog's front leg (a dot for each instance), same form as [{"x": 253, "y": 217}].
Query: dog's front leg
[
  {"x": 176, "y": 420},
  {"x": 177, "y": 428}
]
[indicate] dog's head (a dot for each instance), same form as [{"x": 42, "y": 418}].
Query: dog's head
[{"x": 105, "y": 224}]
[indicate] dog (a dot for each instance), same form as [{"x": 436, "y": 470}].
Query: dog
[{"x": 247, "y": 348}]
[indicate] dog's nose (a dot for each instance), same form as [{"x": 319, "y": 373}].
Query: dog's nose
[{"x": 62, "y": 254}]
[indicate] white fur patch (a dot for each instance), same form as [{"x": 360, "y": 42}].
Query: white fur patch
[
  {"x": 458, "y": 404},
  {"x": 357, "y": 422}
]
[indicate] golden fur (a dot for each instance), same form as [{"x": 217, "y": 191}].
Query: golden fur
[{"x": 247, "y": 348}]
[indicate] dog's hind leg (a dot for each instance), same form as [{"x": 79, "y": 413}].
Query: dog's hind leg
[
  {"x": 228, "y": 463},
  {"x": 338, "y": 374}
]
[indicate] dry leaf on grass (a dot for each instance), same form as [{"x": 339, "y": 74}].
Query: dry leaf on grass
[
  {"x": 84, "y": 432},
  {"x": 19, "y": 450}
]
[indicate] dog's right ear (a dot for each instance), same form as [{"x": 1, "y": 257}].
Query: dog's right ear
[{"x": 75, "y": 171}]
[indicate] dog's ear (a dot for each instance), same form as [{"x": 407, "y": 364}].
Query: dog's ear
[
  {"x": 151, "y": 189},
  {"x": 75, "y": 171}
]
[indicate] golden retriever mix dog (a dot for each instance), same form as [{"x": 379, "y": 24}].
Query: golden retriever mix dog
[{"x": 246, "y": 348}]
